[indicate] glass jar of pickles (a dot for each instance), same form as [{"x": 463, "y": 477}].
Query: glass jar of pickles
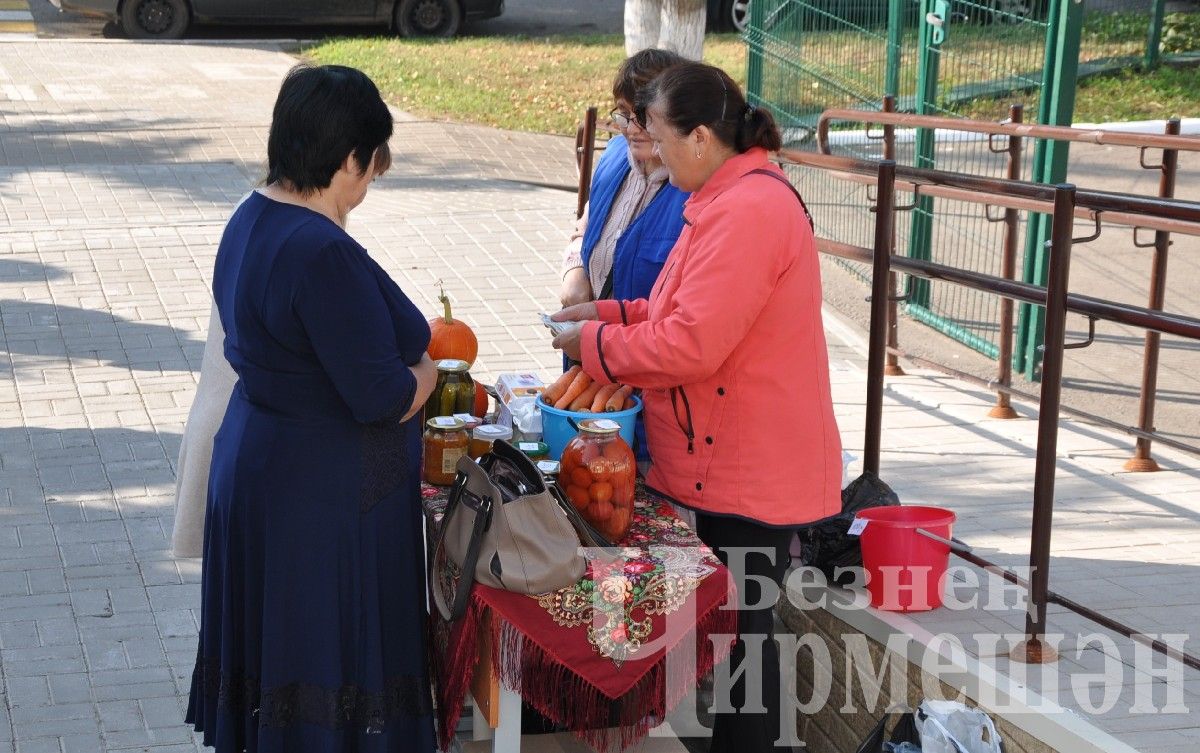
[
  {"x": 597, "y": 473},
  {"x": 483, "y": 437},
  {"x": 454, "y": 391},
  {"x": 446, "y": 441}
]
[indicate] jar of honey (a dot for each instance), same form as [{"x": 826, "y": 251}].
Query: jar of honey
[
  {"x": 454, "y": 391},
  {"x": 446, "y": 441},
  {"x": 597, "y": 472},
  {"x": 483, "y": 437}
]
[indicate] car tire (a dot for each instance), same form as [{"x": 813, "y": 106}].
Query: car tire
[
  {"x": 737, "y": 14},
  {"x": 428, "y": 18},
  {"x": 155, "y": 19}
]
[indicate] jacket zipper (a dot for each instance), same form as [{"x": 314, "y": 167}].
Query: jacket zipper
[{"x": 689, "y": 430}]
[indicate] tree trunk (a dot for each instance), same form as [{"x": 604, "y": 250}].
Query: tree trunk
[{"x": 667, "y": 24}]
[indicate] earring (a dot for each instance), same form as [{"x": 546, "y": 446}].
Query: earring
[{"x": 698, "y": 154}]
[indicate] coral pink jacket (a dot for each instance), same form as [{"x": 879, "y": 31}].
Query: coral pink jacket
[{"x": 730, "y": 352}]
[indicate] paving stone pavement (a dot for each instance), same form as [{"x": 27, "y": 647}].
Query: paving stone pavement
[{"x": 119, "y": 164}]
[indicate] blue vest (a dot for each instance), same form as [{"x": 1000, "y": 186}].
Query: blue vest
[{"x": 642, "y": 247}]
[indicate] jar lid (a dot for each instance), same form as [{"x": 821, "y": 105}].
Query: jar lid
[
  {"x": 446, "y": 423},
  {"x": 599, "y": 426},
  {"x": 492, "y": 432},
  {"x": 452, "y": 365},
  {"x": 534, "y": 448}
]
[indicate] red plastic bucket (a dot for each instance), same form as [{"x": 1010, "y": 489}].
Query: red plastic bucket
[{"x": 905, "y": 571}]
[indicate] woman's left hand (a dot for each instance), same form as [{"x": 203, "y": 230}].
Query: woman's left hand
[{"x": 569, "y": 341}]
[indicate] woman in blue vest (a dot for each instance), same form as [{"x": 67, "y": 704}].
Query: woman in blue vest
[{"x": 633, "y": 216}]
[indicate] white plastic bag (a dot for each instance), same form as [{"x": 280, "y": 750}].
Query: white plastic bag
[{"x": 953, "y": 727}]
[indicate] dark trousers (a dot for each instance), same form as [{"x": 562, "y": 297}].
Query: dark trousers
[{"x": 737, "y": 731}]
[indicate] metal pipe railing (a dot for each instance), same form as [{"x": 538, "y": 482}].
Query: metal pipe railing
[
  {"x": 1171, "y": 142},
  {"x": 1008, "y": 269},
  {"x": 1024, "y": 130},
  {"x": 585, "y": 150},
  {"x": 1141, "y": 460},
  {"x": 1057, "y": 302}
]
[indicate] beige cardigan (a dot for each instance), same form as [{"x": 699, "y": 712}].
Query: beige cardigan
[{"x": 217, "y": 379}]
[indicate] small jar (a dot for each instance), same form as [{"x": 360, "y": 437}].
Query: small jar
[
  {"x": 598, "y": 474},
  {"x": 535, "y": 451},
  {"x": 446, "y": 441},
  {"x": 454, "y": 391},
  {"x": 483, "y": 437}
]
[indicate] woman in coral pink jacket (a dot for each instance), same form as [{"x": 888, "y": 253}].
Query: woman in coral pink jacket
[{"x": 730, "y": 353}]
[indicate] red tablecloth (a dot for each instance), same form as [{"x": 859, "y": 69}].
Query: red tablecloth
[{"x": 595, "y": 657}]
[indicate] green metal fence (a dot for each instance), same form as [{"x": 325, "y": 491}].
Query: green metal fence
[{"x": 965, "y": 58}]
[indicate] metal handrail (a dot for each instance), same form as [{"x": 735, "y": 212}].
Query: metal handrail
[
  {"x": 1166, "y": 215},
  {"x": 1057, "y": 302},
  {"x": 1025, "y": 130},
  {"x": 1014, "y": 131}
]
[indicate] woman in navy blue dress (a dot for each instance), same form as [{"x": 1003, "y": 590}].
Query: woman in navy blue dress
[{"x": 313, "y": 617}]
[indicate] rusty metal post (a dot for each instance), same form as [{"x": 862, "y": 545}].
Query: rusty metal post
[
  {"x": 585, "y": 150},
  {"x": 891, "y": 365},
  {"x": 1034, "y": 650},
  {"x": 1141, "y": 460},
  {"x": 884, "y": 227},
  {"x": 1012, "y": 230}
]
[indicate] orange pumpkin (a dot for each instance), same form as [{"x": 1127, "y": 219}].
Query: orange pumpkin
[{"x": 450, "y": 337}]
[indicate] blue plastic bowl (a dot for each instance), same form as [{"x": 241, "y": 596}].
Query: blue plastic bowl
[{"x": 557, "y": 429}]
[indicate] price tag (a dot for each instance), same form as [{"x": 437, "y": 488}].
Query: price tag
[
  {"x": 527, "y": 446},
  {"x": 447, "y": 421},
  {"x": 466, "y": 418},
  {"x": 606, "y": 424},
  {"x": 858, "y": 526}
]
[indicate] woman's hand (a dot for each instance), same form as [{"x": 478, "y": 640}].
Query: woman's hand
[
  {"x": 576, "y": 288},
  {"x": 426, "y": 373},
  {"x": 569, "y": 341},
  {"x": 580, "y": 312}
]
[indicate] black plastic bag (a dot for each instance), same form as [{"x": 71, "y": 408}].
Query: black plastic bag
[
  {"x": 827, "y": 545},
  {"x": 905, "y": 731}
]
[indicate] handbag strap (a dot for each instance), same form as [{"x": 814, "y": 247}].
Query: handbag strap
[
  {"x": 788, "y": 183},
  {"x": 483, "y": 521}
]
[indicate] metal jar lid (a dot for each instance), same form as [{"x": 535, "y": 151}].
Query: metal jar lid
[
  {"x": 493, "y": 432},
  {"x": 446, "y": 423},
  {"x": 599, "y": 426},
  {"x": 452, "y": 365}
]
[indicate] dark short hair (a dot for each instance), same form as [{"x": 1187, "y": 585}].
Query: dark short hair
[
  {"x": 322, "y": 114},
  {"x": 695, "y": 94},
  {"x": 640, "y": 69}
]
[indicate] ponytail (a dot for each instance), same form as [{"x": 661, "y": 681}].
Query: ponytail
[{"x": 757, "y": 127}]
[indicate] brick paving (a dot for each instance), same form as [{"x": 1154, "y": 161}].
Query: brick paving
[{"x": 119, "y": 164}]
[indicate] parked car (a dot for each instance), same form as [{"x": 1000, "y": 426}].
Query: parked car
[
  {"x": 169, "y": 19},
  {"x": 727, "y": 15}
]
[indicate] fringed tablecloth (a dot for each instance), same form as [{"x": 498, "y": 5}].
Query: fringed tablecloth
[{"x": 608, "y": 657}]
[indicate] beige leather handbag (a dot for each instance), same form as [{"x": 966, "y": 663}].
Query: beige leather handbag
[{"x": 505, "y": 527}]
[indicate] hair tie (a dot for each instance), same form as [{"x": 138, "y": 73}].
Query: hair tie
[{"x": 748, "y": 112}]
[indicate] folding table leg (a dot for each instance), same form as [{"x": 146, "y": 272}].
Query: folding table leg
[{"x": 507, "y": 736}]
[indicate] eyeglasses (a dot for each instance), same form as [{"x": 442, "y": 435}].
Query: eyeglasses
[{"x": 623, "y": 119}]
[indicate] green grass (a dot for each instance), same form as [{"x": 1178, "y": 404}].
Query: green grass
[
  {"x": 525, "y": 84},
  {"x": 1126, "y": 95},
  {"x": 543, "y": 84}
]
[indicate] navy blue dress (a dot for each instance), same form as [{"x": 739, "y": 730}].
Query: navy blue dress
[{"x": 312, "y": 636}]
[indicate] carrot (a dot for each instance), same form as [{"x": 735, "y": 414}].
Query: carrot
[
  {"x": 552, "y": 393},
  {"x": 617, "y": 401},
  {"x": 578, "y": 385},
  {"x": 585, "y": 400},
  {"x": 602, "y": 397}
]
